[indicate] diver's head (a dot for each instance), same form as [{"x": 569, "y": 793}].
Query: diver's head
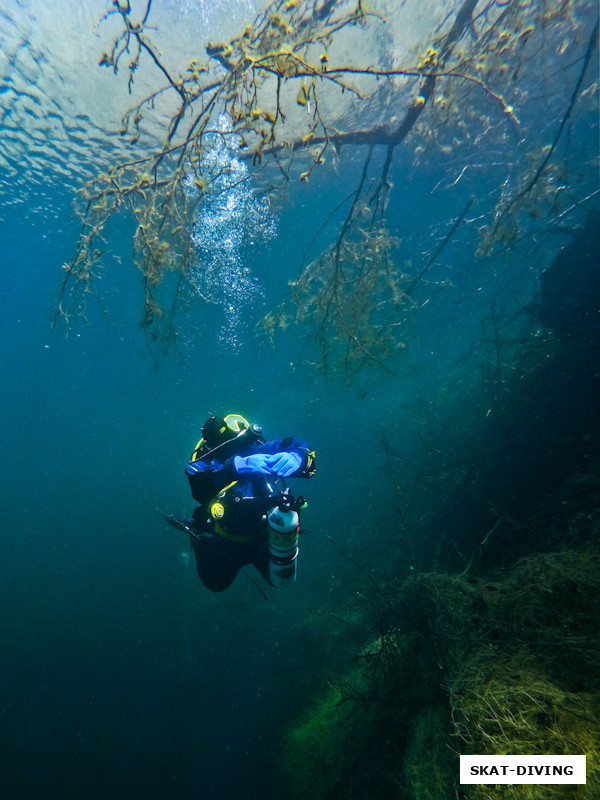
[{"x": 218, "y": 430}]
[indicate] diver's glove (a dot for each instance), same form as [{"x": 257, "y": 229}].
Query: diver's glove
[
  {"x": 285, "y": 464},
  {"x": 256, "y": 463}
]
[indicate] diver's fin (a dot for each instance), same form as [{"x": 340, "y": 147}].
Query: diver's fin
[
  {"x": 176, "y": 523},
  {"x": 182, "y": 525}
]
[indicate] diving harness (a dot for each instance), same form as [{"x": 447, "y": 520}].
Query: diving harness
[{"x": 277, "y": 510}]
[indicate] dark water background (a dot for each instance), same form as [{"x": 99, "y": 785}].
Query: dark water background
[{"x": 121, "y": 676}]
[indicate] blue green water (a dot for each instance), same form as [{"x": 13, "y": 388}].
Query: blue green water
[{"x": 120, "y": 675}]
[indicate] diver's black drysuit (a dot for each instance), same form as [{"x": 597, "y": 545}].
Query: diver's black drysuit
[{"x": 229, "y": 528}]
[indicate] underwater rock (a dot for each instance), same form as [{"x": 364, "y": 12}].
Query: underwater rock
[
  {"x": 348, "y": 745},
  {"x": 508, "y": 705},
  {"x": 505, "y": 663}
]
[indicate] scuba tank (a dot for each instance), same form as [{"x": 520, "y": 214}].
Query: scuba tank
[{"x": 284, "y": 529}]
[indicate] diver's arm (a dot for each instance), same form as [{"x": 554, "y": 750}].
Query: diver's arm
[
  {"x": 207, "y": 479},
  {"x": 307, "y": 467}
]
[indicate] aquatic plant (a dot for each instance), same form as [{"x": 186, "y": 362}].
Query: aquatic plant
[
  {"x": 349, "y": 743},
  {"x": 497, "y": 664},
  {"x": 294, "y": 98}
]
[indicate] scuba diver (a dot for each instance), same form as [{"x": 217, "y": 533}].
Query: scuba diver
[{"x": 246, "y": 514}]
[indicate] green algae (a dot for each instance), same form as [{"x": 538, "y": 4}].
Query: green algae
[{"x": 502, "y": 665}]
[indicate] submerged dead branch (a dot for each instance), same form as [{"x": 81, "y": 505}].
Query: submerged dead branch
[{"x": 274, "y": 99}]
